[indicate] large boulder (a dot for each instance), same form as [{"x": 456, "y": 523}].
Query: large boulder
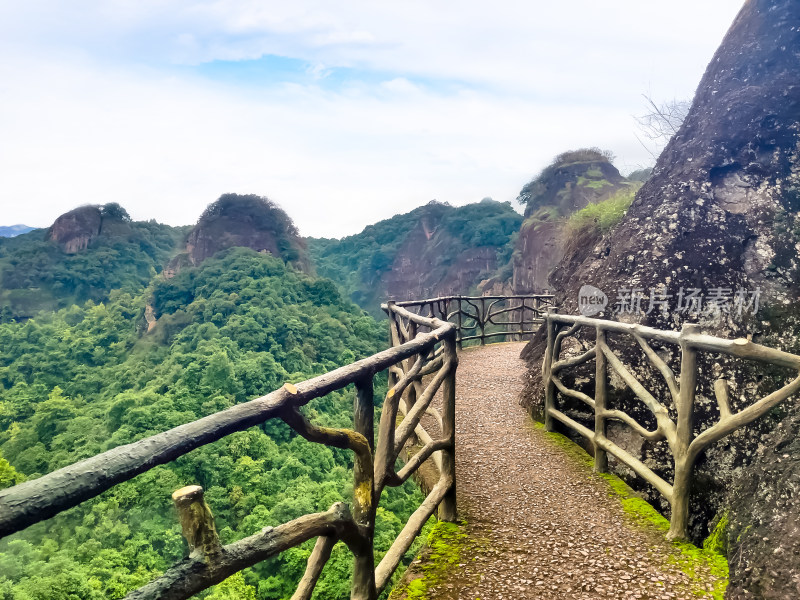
[
  {"x": 719, "y": 214},
  {"x": 74, "y": 230}
]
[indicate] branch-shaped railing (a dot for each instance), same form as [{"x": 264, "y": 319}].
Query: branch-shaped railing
[
  {"x": 485, "y": 317},
  {"x": 418, "y": 368},
  {"x": 679, "y": 433}
]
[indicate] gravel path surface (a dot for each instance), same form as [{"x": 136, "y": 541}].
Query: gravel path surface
[{"x": 546, "y": 526}]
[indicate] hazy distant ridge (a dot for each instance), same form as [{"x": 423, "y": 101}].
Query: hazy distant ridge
[{"x": 14, "y": 230}]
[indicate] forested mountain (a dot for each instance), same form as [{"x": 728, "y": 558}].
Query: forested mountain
[
  {"x": 249, "y": 221},
  {"x": 436, "y": 249},
  {"x": 86, "y": 378},
  {"x": 85, "y": 254}
]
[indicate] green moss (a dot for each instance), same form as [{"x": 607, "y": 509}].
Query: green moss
[
  {"x": 445, "y": 544},
  {"x": 689, "y": 557},
  {"x": 567, "y": 445},
  {"x": 717, "y": 540}
]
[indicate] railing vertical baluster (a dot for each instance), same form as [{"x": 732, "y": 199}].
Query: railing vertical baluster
[
  {"x": 363, "y": 587},
  {"x": 483, "y": 321},
  {"x": 447, "y": 509},
  {"x": 549, "y": 386},
  {"x": 459, "y": 333},
  {"x": 679, "y": 519},
  {"x": 600, "y": 383},
  {"x": 412, "y": 389}
]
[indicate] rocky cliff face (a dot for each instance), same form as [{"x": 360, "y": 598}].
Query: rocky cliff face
[
  {"x": 720, "y": 213},
  {"x": 436, "y": 249},
  {"x": 249, "y": 221},
  {"x": 419, "y": 271},
  {"x": 78, "y": 228},
  {"x": 574, "y": 180},
  {"x": 74, "y": 230}
]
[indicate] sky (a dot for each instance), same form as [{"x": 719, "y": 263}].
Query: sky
[{"x": 344, "y": 113}]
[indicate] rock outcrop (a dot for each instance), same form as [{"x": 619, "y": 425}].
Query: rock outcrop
[
  {"x": 74, "y": 230},
  {"x": 720, "y": 213},
  {"x": 249, "y": 221},
  {"x": 574, "y": 180}
]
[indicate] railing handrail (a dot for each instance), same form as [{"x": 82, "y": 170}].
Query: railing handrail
[
  {"x": 738, "y": 347},
  {"x": 476, "y": 314},
  {"x": 405, "y": 303},
  {"x": 679, "y": 434}
]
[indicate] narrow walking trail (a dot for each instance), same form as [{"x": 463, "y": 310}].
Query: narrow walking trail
[{"x": 540, "y": 524}]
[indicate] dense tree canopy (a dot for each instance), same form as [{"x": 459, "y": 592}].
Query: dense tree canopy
[
  {"x": 87, "y": 378},
  {"x": 36, "y": 274}
]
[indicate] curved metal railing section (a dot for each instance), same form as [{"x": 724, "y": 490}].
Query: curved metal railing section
[
  {"x": 485, "y": 317},
  {"x": 680, "y": 390},
  {"x": 431, "y": 355}
]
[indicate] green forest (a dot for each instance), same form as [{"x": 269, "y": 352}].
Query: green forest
[
  {"x": 36, "y": 275},
  {"x": 357, "y": 262},
  {"x": 89, "y": 377}
]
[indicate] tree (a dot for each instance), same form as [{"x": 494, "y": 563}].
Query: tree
[{"x": 660, "y": 123}]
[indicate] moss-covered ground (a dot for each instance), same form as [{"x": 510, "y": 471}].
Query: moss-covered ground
[
  {"x": 444, "y": 547},
  {"x": 693, "y": 561}
]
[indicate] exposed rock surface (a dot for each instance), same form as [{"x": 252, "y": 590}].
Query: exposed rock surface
[
  {"x": 764, "y": 520},
  {"x": 720, "y": 211},
  {"x": 74, "y": 230},
  {"x": 574, "y": 180},
  {"x": 249, "y": 221}
]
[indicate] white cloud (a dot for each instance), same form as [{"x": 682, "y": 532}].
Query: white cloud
[{"x": 471, "y": 104}]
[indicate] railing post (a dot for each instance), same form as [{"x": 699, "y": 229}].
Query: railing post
[
  {"x": 197, "y": 522},
  {"x": 549, "y": 386},
  {"x": 363, "y": 587},
  {"x": 447, "y": 508},
  {"x": 681, "y": 487},
  {"x": 600, "y": 383}
]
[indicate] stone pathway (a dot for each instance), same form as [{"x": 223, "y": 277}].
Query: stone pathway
[{"x": 542, "y": 524}]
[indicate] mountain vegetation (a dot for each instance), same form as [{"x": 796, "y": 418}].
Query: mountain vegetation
[
  {"x": 85, "y": 379},
  {"x": 433, "y": 249},
  {"x": 38, "y": 273}
]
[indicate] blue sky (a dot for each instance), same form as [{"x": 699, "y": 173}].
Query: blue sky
[{"x": 343, "y": 113}]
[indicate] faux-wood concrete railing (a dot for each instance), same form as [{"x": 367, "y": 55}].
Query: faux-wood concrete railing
[
  {"x": 431, "y": 355},
  {"x": 679, "y": 433},
  {"x": 476, "y": 316}
]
